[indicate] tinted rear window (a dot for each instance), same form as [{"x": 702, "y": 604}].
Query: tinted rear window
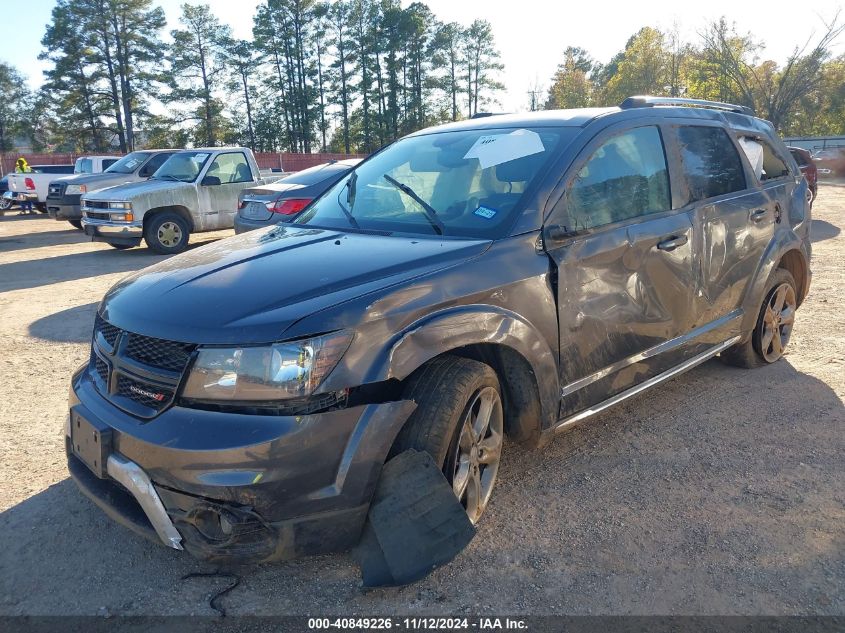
[
  {"x": 53, "y": 169},
  {"x": 313, "y": 175},
  {"x": 799, "y": 157},
  {"x": 711, "y": 163}
]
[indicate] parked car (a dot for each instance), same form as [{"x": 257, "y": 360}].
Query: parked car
[
  {"x": 63, "y": 196},
  {"x": 282, "y": 200},
  {"x": 33, "y": 186},
  {"x": 804, "y": 159},
  {"x": 830, "y": 162},
  {"x": 514, "y": 274},
  {"x": 193, "y": 191},
  {"x": 5, "y": 203}
]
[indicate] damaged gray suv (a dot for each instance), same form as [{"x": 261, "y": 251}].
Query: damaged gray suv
[{"x": 505, "y": 276}]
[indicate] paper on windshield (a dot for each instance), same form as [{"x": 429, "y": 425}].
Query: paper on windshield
[
  {"x": 200, "y": 157},
  {"x": 494, "y": 149},
  {"x": 132, "y": 163}
]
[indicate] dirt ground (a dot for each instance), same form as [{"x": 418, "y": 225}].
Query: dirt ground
[{"x": 719, "y": 492}]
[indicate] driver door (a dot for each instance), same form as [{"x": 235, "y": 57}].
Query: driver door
[
  {"x": 227, "y": 175},
  {"x": 625, "y": 268}
]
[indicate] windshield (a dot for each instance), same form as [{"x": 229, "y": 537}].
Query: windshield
[
  {"x": 183, "y": 166},
  {"x": 129, "y": 163},
  {"x": 462, "y": 183}
]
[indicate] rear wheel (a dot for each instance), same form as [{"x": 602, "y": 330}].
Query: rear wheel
[
  {"x": 167, "y": 233},
  {"x": 121, "y": 247},
  {"x": 774, "y": 325},
  {"x": 77, "y": 224},
  {"x": 6, "y": 204},
  {"x": 459, "y": 421}
]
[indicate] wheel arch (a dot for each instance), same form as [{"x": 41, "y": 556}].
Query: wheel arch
[
  {"x": 522, "y": 359},
  {"x": 180, "y": 210},
  {"x": 787, "y": 254}
]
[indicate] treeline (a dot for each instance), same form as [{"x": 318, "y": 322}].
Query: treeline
[
  {"x": 346, "y": 75},
  {"x": 803, "y": 96}
]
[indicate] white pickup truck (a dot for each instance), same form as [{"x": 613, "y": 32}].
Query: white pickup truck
[
  {"x": 34, "y": 185},
  {"x": 193, "y": 191}
]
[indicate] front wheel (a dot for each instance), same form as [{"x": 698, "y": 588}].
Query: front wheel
[
  {"x": 77, "y": 224},
  {"x": 167, "y": 233},
  {"x": 459, "y": 421},
  {"x": 774, "y": 325}
]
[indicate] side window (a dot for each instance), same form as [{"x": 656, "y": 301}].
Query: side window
[
  {"x": 711, "y": 163},
  {"x": 230, "y": 168},
  {"x": 773, "y": 165},
  {"x": 153, "y": 164},
  {"x": 624, "y": 178}
]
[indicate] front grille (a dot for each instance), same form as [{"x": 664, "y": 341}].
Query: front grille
[
  {"x": 108, "y": 331},
  {"x": 102, "y": 368},
  {"x": 143, "y": 393},
  {"x": 96, "y": 204},
  {"x": 157, "y": 352},
  {"x": 55, "y": 189},
  {"x": 140, "y": 374},
  {"x": 97, "y": 216}
]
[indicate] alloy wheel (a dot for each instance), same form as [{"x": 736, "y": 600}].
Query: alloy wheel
[
  {"x": 777, "y": 322},
  {"x": 478, "y": 452}
]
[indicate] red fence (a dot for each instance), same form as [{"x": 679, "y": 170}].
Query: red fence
[{"x": 266, "y": 160}]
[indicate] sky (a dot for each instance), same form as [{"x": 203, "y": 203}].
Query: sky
[{"x": 530, "y": 34}]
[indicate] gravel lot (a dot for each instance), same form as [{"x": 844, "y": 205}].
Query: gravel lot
[{"x": 720, "y": 492}]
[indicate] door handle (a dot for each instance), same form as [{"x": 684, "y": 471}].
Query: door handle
[
  {"x": 672, "y": 243},
  {"x": 759, "y": 215}
]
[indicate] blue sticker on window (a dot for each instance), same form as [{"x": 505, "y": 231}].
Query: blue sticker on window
[{"x": 485, "y": 212}]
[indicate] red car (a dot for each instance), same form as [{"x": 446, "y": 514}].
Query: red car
[
  {"x": 830, "y": 161},
  {"x": 807, "y": 167}
]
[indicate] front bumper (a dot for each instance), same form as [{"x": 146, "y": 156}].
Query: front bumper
[
  {"x": 21, "y": 196},
  {"x": 238, "y": 487},
  {"x": 64, "y": 207},
  {"x": 113, "y": 232}
]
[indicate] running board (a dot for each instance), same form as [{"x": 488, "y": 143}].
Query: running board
[{"x": 633, "y": 391}]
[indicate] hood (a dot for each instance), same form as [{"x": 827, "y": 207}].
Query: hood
[
  {"x": 129, "y": 190},
  {"x": 252, "y": 287},
  {"x": 102, "y": 180}
]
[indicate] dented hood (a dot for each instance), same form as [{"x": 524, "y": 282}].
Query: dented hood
[{"x": 252, "y": 287}]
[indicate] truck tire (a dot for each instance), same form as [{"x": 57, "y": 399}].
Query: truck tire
[
  {"x": 459, "y": 421},
  {"x": 120, "y": 247},
  {"x": 167, "y": 233},
  {"x": 77, "y": 224},
  {"x": 773, "y": 328}
]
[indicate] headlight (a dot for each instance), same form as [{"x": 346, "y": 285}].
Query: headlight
[
  {"x": 75, "y": 190},
  {"x": 120, "y": 205},
  {"x": 122, "y": 217},
  {"x": 278, "y": 372}
]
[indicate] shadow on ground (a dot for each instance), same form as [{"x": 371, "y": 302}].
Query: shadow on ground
[
  {"x": 73, "y": 325},
  {"x": 727, "y": 504},
  {"x": 821, "y": 230}
]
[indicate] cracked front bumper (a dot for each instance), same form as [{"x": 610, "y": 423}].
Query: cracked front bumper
[{"x": 236, "y": 487}]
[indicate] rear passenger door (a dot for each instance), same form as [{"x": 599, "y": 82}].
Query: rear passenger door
[
  {"x": 625, "y": 267},
  {"x": 736, "y": 218}
]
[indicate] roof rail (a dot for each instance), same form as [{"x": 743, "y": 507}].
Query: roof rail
[{"x": 647, "y": 101}]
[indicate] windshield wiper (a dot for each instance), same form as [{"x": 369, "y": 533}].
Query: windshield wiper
[
  {"x": 430, "y": 213},
  {"x": 350, "y": 193},
  {"x": 170, "y": 176}
]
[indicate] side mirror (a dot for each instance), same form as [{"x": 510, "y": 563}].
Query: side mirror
[{"x": 210, "y": 181}]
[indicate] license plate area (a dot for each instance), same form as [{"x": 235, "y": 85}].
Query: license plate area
[
  {"x": 91, "y": 443},
  {"x": 256, "y": 211}
]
